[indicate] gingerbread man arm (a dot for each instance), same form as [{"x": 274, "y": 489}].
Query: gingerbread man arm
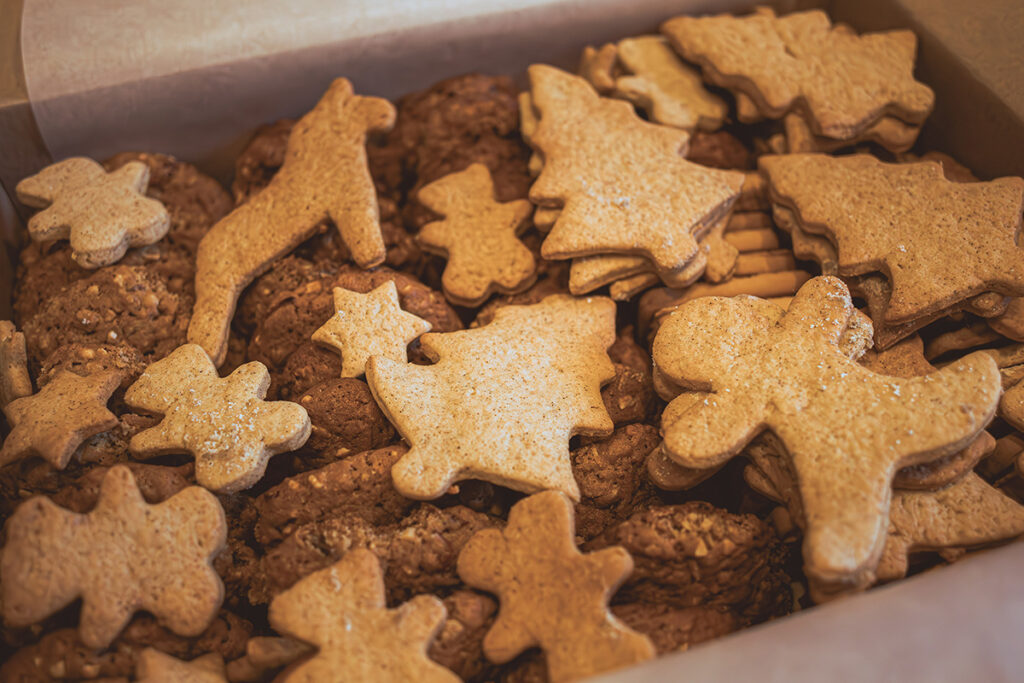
[{"x": 710, "y": 431}]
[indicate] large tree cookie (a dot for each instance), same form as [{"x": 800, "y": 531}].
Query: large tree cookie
[
  {"x": 324, "y": 176},
  {"x": 121, "y": 557},
  {"x": 223, "y": 422},
  {"x": 846, "y": 429},
  {"x": 102, "y": 214},
  {"x": 552, "y": 596},
  {"x": 341, "y": 610},
  {"x": 502, "y": 400}
]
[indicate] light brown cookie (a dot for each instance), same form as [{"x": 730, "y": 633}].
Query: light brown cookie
[
  {"x": 324, "y": 176},
  {"x": 154, "y": 666},
  {"x": 758, "y": 262},
  {"x": 1011, "y": 407},
  {"x": 371, "y": 324},
  {"x": 904, "y": 227},
  {"x": 224, "y": 423},
  {"x": 122, "y": 556},
  {"x": 598, "y": 67},
  {"x": 102, "y": 214},
  {"x": 341, "y": 610},
  {"x": 264, "y": 654},
  {"x": 667, "y": 89},
  {"x": 552, "y": 596},
  {"x": 1010, "y": 323},
  {"x": 588, "y": 273},
  {"x": 54, "y": 422},
  {"x": 845, "y": 82},
  {"x": 758, "y": 239},
  {"x": 621, "y": 180},
  {"x": 722, "y": 255},
  {"x": 479, "y": 236},
  {"x": 15, "y": 382},
  {"x": 502, "y": 400},
  {"x": 544, "y": 218},
  {"x": 890, "y": 132},
  {"x": 626, "y": 288},
  {"x": 969, "y": 513},
  {"x": 796, "y": 382}
]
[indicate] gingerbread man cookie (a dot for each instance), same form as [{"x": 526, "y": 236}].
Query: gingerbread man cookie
[
  {"x": 102, "y": 214},
  {"x": 552, "y": 596},
  {"x": 795, "y": 381},
  {"x": 324, "y": 176},
  {"x": 341, "y": 610},
  {"x": 479, "y": 235},
  {"x": 121, "y": 557},
  {"x": 224, "y": 423}
]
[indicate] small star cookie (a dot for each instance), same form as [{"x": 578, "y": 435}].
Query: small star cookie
[
  {"x": 341, "y": 610},
  {"x": 223, "y": 422},
  {"x": 479, "y": 235},
  {"x": 371, "y": 324},
  {"x": 102, "y": 214},
  {"x": 54, "y": 422}
]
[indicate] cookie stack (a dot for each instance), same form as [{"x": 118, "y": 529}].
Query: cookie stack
[{"x": 800, "y": 68}]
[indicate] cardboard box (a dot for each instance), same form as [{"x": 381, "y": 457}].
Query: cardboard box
[{"x": 193, "y": 78}]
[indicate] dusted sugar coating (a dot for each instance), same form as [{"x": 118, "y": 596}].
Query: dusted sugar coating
[
  {"x": 371, "y": 324},
  {"x": 968, "y": 513},
  {"x": 153, "y": 666},
  {"x": 53, "y": 423},
  {"x": 552, "y": 596},
  {"x": 846, "y": 429},
  {"x": 102, "y": 214},
  {"x": 622, "y": 181},
  {"x": 503, "y": 400},
  {"x": 938, "y": 242},
  {"x": 478, "y": 235},
  {"x": 341, "y": 610},
  {"x": 844, "y": 81},
  {"x": 223, "y": 422},
  {"x": 670, "y": 91},
  {"x": 122, "y": 556},
  {"x": 324, "y": 176},
  {"x": 15, "y": 382}
]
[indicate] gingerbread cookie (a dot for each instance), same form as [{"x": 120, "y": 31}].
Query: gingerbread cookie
[
  {"x": 324, "y": 176},
  {"x": 14, "y": 380},
  {"x": 371, "y": 324},
  {"x": 915, "y": 243},
  {"x": 224, "y": 423},
  {"x": 502, "y": 401},
  {"x": 478, "y": 235},
  {"x": 845, "y": 82},
  {"x": 54, "y": 422},
  {"x": 154, "y": 666},
  {"x": 552, "y": 596},
  {"x": 122, "y": 556},
  {"x": 341, "y": 610},
  {"x": 102, "y": 214},
  {"x": 669, "y": 91},
  {"x": 622, "y": 183},
  {"x": 845, "y": 481}
]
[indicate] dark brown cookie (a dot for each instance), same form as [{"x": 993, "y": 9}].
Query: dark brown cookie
[
  {"x": 345, "y": 417},
  {"x": 672, "y": 629},
  {"x": 695, "y": 554},
  {"x": 115, "y": 305},
  {"x": 612, "y": 478},
  {"x": 459, "y": 645},
  {"x": 287, "y": 274},
  {"x": 155, "y": 482},
  {"x": 629, "y": 397},
  {"x": 719, "y": 150},
  {"x": 91, "y": 359},
  {"x": 309, "y": 365},
  {"x": 359, "y": 485}
]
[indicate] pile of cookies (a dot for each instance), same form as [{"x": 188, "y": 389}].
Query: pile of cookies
[{"x": 453, "y": 388}]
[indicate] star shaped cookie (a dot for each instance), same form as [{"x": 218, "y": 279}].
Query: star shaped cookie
[
  {"x": 341, "y": 610},
  {"x": 223, "y": 422},
  {"x": 371, "y": 324},
  {"x": 102, "y": 214},
  {"x": 552, "y": 596},
  {"x": 55, "y": 421},
  {"x": 479, "y": 235}
]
